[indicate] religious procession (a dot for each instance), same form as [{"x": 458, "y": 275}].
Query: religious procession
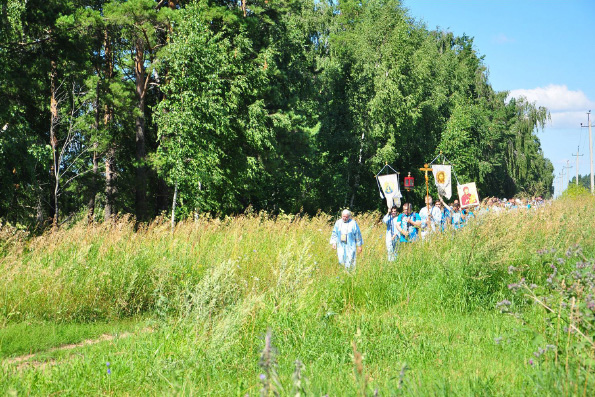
[{"x": 410, "y": 226}]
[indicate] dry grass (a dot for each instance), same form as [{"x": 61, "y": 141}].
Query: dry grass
[{"x": 110, "y": 270}]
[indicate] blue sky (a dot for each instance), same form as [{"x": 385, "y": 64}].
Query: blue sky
[{"x": 541, "y": 49}]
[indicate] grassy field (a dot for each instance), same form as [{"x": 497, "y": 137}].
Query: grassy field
[{"x": 258, "y": 305}]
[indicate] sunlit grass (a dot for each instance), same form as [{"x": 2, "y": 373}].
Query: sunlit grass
[{"x": 213, "y": 287}]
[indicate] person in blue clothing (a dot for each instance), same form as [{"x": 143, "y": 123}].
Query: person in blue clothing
[
  {"x": 408, "y": 223},
  {"x": 346, "y": 238},
  {"x": 392, "y": 234},
  {"x": 446, "y": 215},
  {"x": 431, "y": 217},
  {"x": 457, "y": 218},
  {"x": 467, "y": 214}
]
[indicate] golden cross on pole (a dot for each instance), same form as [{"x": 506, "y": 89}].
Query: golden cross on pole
[{"x": 426, "y": 168}]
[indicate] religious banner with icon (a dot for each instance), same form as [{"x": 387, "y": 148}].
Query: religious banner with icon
[
  {"x": 389, "y": 185},
  {"x": 442, "y": 179},
  {"x": 468, "y": 195}
]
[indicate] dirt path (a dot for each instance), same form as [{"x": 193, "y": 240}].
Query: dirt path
[{"x": 25, "y": 361}]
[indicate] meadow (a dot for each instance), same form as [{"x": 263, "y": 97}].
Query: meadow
[{"x": 258, "y": 305}]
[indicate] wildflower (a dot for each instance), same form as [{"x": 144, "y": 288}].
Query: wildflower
[
  {"x": 498, "y": 340},
  {"x": 511, "y": 269},
  {"x": 550, "y": 347},
  {"x": 504, "y": 302},
  {"x": 503, "y": 305},
  {"x": 533, "y": 286},
  {"x": 514, "y": 286},
  {"x": 109, "y": 371},
  {"x": 581, "y": 265},
  {"x": 263, "y": 377},
  {"x": 539, "y": 352},
  {"x": 561, "y": 261},
  {"x": 530, "y": 362},
  {"x": 402, "y": 375}
]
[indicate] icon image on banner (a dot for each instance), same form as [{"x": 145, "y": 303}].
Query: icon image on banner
[{"x": 468, "y": 195}]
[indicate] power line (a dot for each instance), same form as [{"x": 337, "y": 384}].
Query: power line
[
  {"x": 566, "y": 167},
  {"x": 577, "y": 155},
  {"x": 590, "y": 148}
]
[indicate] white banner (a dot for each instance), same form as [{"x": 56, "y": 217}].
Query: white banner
[
  {"x": 442, "y": 179},
  {"x": 390, "y": 188}
]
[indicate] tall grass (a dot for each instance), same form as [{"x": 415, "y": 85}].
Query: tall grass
[{"x": 427, "y": 323}]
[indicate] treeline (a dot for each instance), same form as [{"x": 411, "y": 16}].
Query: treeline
[
  {"x": 113, "y": 107},
  {"x": 583, "y": 180}
]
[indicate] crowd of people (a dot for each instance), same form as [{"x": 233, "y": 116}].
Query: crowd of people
[{"x": 410, "y": 226}]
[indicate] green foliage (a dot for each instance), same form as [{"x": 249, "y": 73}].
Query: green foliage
[
  {"x": 27, "y": 338},
  {"x": 583, "y": 180},
  {"x": 281, "y": 106},
  {"x": 574, "y": 191},
  {"x": 567, "y": 297},
  {"x": 426, "y": 325}
]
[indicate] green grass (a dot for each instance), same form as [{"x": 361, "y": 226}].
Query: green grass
[
  {"x": 424, "y": 325},
  {"x": 30, "y": 338}
]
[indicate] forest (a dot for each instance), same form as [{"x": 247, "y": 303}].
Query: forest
[{"x": 162, "y": 107}]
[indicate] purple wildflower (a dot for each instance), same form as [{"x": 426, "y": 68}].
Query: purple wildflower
[{"x": 504, "y": 302}]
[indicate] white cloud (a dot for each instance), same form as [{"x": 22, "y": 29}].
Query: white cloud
[
  {"x": 555, "y": 98},
  {"x": 567, "y": 107},
  {"x": 567, "y": 120},
  {"x": 502, "y": 39}
]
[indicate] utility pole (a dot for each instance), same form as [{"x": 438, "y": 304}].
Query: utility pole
[
  {"x": 567, "y": 167},
  {"x": 577, "y": 156},
  {"x": 590, "y": 147}
]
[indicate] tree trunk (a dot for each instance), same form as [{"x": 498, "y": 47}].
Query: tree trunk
[
  {"x": 141, "y": 172},
  {"x": 95, "y": 159},
  {"x": 39, "y": 216},
  {"x": 54, "y": 142},
  {"x": 356, "y": 177},
  {"x": 110, "y": 157},
  {"x": 93, "y": 187},
  {"x": 110, "y": 183},
  {"x": 173, "y": 208}
]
